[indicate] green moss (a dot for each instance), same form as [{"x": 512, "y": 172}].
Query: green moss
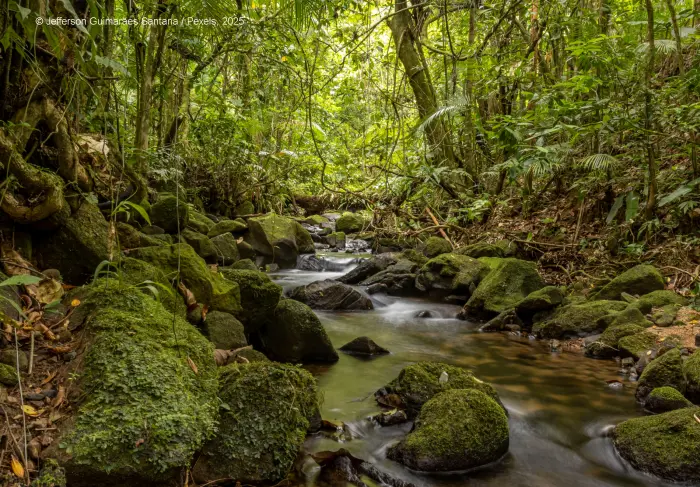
[
  {"x": 146, "y": 411},
  {"x": 336, "y": 239},
  {"x": 268, "y": 408},
  {"x": 170, "y": 214},
  {"x": 316, "y": 220},
  {"x": 130, "y": 238},
  {"x": 691, "y": 372},
  {"x": 481, "y": 250},
  {"x": 543, "y": 299},
  {"x": 435, "y": 246},
  {"x": 630, "y": 316},
  {"x": 577, "y": 319},
  {"x": 259, "y": 295},
  {"x": 664, "y": 399},
  {"x": 224, "y": 330},
  {"x": 666, "y": 315},
  {"x": 199, "y": 223},
  {"x": 8, "y": 375},
  {"x": 245, "y": 264},
  {"x": 657, "y": 299},
  {"x": 227, "y": 226},
  {"x": 666, "y": 445},
  {"x": 350, "y": 223},
  {"x": 507, "y": 284},
  {"x": 226, "y": 249},
  {"x": 450, "y": 273},
  {"x": 641, "y": 279},
  {"x": 636, "y": 345},
  {"x": 253, "y": 355},
  {"x": 666, "y": 370},
  {"x": 417, "y": 383},
  {"x": 279, "y": 239},
  {"x": 51, "y": 475},
  {"x": 606, "y": 345},
  {"x": 200, "y": 243},
  {"x": 412, "y": 255}
]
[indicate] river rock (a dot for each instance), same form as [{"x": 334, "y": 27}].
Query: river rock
[
  {"x": 363, "y": 346},
  {"x": 390, "y": 418},
  {"x": 295, "y": 334},
  {"x": 336, "y": 240},
  {"x": 200, "y": 243},
  {"x": 245, "y": 264},
  {"x": 508, "y": 282},
  {"x": 666, "y": 445},
  {"x": 435, "y": 246},
  {"x": 331, "y": 295},
  {"x": 640, "y": 280},
  {"x": 227, "y": 226},
  {"x": 506, "y": 320},
  {"x": 278, "y": 239},
  {"x": 259, "y": 296},
  {"x": 350, "y": 223},
  {"x": 226, "y": 249},
  {"x": 666, "y": 370},
  {"x": 311, "y": 262},
  {"x": 148, "y": 411},
  {"x": 269, "y": 409},
  {"x": 399, "y": 278},
  {"x": 245, "y": 250},
  {"x": 544, "y": 299},
  {"x": 130, "y": 238},
  {"x": 224, "y": 330},
  {"x": 170, "y": 214},
  {"x": 666, "y": 315},
  {"x": 450, "y": 274},
  {"x": 10, "y": 357},
  {"x": 481, "y": 250},
  {"x": 368, "y": 268},
  {"x": 606, "y": 345},
  {"x": 457, "y": 429},
  {"x": 664, "y": 399},
  {"x": 199, "y": 222},
  {"x": 8, "y": 375},
  {"x": 657, "y": 299},
  {"x": 417, "y": 383},
  {"x": 77, "y": 247},
  {"x": 577, "y": 320},
  {"x": 691, "y": 373},
  {"x": 636, "y": 345}
]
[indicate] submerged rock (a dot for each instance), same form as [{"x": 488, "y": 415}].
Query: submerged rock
[
  {"x": 641, "y": 279},
  {"x": 666, "y": 445},
  {"x": 295, "y": 334},
  {"x": 269, "y": 408},
  {"x": 331, "y": 295},
  {"x": 666, "y": 398},
  {"x": 279, "y": 239},
  {"x": 666, "y": 370},
  {"x": 577, "y": 320},
  {"x": 450, "y": 274},
  {"x": 457, "y": 429},
  {"x": 363, "y": 346}
]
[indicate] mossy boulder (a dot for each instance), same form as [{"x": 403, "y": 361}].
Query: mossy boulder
[
  {"x": 317, "y": 220},
  {"x": 544, "y": 299},
  {"x": 691, "y": 374},
  {"x": 666, "y": 370},
  {"x": 245, "y": 264},
  {"x": 208, "y": 287},
  {"x": 577, "y": 320},
  {"x": 636, "y": 345},
  {"x": 639, "y": 280},
  {"x": 199, "y": 222},
  {"x": 77, "y": 247},
  {"x": 458, "y": 429},
  {"x": 201, "y": 244},
  {"x": 13, "y": 357},
  {"x": 279, "y": 239},
  {"x": 227, "y": 226},
  {"x": 350, "y": 223},
  {"x": 224, "y": 330},
  {"x": 245, "y": 208},
  {"x": 8, "y": 375},
  {"x": 130, "y": 238},
  {"x": 170, "y": 214},
  {"x": 508, "y": 283},
  {"x": 666, "y": 315},
  {"x": 481, "y": 250},
  {"x": 657, "y": 299},
  {"x": 606, "y": 346},
  {"x": 336, "y": 239},
  {"x": 269, "y": 408},
  {"x": 666, "y": 445},
  {"x": 663, "y": 399},
  {"x": 226, "y": 249},
  {"x": 331, "y": 295},
  {"x": 259, "y": 296},
  {"x": 368, "y": 267},
  {"x": 295, "y": 334},
  {"x": 629, "y": 316},
  {"x": 418, "y": 383},
  {"x": 450, "y": 273},
  {"x": 435, "y": 246},
  {"x": 145, "y": 411},
  {"x": 245, "y": 250}
]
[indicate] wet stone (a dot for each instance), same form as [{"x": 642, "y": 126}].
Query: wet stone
[{"x": 363, "y": 346}]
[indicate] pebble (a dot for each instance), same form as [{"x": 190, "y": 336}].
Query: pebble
[
  {"x": 616, "y": 385},
  {"x": 34, "y": 396}
]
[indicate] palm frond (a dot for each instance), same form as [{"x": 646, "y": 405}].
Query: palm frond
[
  {"x": 455, "y": 106},
  {"x": 599, "y": 162},
  {"x": 662, "y": 46}
]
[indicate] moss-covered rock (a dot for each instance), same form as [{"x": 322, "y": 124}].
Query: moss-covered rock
[
  {"x": 245, "y": 208},
  {"x": 245, "y": 250},
  {"x": 130, "y": 238},
  {"x": 336, "y": 239},
  {"x": 245, "y": 264},
  {"x": 14, "y": 357},
  {"x": 663, "y": 399},
  {"x": 606, "y": 346},
  {"x": 666, "y": 445},
  {"x": 435, "y": 246},
  {"x": 640, "y": 280},
  {"x": 170, "y": 214},
  {"x": 226, "y": 249},
  {"x": 224, "y": 330},
  {"x": 457, "y": 429},
  {"x": 317, "y": 220},
  {"x": 146, "y": 411},
  {"x": 481, "y": 250},
  {"x": 691, "y": 374},
  {"x": 418, "y": 383},
  {"x": 368, "y": 267},
  {"x": 279, "y": 239},
  {"x": 508, "y": 283},
  {"x": 199, "y": 222},
  {"x": 8, "y": 375},
  {"x": 450, "y": 273},
  {"x": 295, "y": 334},
  {"x": 350, "y": 223},
  {"x": 269, "y": 407},
  {"x": 331, "y": 295},
  {"x": 636, "y": 345},
  {"x": 666, "y": 315},
  {"x": 227, "y": 226},
  {"x": 666, "y": 370},
  {"x": 50, "y": 475},
  {"x": 208, "y": 287},
  {"x": 77, "y": 247},
  {"x": 630, "y": 316},
  {"x": 201, "y": 244},
  {"x": 544, "y": 299},
  {"x": 259, "y": 296},
  {"x": 657, "y": 299},
  {"x": 577, "y": 320},
  {"x": 398, "y": 279}
]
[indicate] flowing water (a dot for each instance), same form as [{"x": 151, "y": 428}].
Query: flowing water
[{"x": 559, "y": 404}]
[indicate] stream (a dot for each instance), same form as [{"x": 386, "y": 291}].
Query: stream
[{"x": 559, "y": 404}]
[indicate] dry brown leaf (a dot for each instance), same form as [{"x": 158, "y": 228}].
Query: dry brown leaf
[
  {"x": 60, "y": 397},
  {"x": 190, "y": 300},
  {"x": 60, "y": 349},
  {"x": 48, "y": 334},
  {"x": 192, "y": 365},
  {"x": 205, "y": 310},
  {"x": 14, "y": 263},
  {"x": 17, "y": 467},
  {"x": 29, "y": 410},
  {"x": 47, "y": 291},
  {"x": 140, "y": 442},
  {"x": 49, "y": 378},
  {"x": 34, "y": 448}
]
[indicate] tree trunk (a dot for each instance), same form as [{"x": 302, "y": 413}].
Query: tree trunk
[
  {"x": 677, "y": 36},
  {"x": 648, "y": 115}
]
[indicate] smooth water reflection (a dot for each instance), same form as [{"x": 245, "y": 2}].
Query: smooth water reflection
[{"x": 559, "y": 403}]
